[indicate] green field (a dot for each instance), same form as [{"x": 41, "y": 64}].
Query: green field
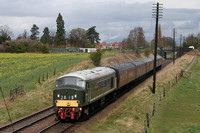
[{"x": 180, "y": 110}]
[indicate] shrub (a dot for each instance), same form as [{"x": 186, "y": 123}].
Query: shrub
[
  {"x": 138, "y": 51},
  {"x": 24, "y": 45},
  {"x": 147, "y": 52},
  {"x": 96, "y": 57},
  {"x": 44, "y": 49}
]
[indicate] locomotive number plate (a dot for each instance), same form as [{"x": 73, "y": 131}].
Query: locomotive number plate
[{"x": 67, "y": 103}]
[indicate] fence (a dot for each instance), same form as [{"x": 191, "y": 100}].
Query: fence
[
  {"x": 164, "y": 91},
  {"x": 45, "y": 76},
  {"x": 17, "y": 91}
]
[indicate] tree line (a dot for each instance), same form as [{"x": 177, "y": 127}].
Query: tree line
[
  {"x": 192, "y": 40},
  {"x": 77, "y": 37},
  {"x": 136, "y": 40}
]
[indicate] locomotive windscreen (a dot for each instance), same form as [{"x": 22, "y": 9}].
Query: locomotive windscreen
[{"x": 65, "y": 81}]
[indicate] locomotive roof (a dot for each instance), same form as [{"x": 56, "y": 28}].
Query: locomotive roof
[{"x": 91, "y": 74}]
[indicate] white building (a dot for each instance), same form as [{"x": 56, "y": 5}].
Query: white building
[{"x": 88, "y": 50}]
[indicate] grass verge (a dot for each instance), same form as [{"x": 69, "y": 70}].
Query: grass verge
[{"x": 180, "y": 110}]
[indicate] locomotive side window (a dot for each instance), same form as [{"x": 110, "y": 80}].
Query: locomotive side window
[{"x": 103, "y": 84}]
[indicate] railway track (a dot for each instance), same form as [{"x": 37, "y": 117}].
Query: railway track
[
  {"x": 28, "y": 121},
  {"x": 57, "y": 127}
]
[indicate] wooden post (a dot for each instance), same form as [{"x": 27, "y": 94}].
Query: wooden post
[
  {"x": 147, "y": 119},
  {"x": 39, "y": 80},
  {"x": 42, "y": 77},
  {"x": 54, "y": 71},
  {"x": 47, "y": 76},
  {"x": 7, "y": 109}
]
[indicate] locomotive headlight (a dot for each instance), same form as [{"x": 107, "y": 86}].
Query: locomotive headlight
[
  {"x": 72, "y": 97},
  {"x": 58, "y": 95},
  {"x": 75, "y": 96}
]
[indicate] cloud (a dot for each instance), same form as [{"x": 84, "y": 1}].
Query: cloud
[{"x": 113, "y": 18}]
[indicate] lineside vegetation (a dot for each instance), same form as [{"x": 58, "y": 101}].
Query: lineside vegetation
[{"x": 180, "y": 111}]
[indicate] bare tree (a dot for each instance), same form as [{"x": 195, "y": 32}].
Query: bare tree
[
  {"x": 5, "y": 33},
  {"x": 52, "y": 34},
  {"x": 130, "y": 40},
  {"x": 140, "y": 38},
  {"x": 24, "y": 35},
  {"x": 136, "y": 38},
  {"x": 191, "y": 38},
  {"x": 78, "y": 37},
  {"x": 123, "y": 45}
]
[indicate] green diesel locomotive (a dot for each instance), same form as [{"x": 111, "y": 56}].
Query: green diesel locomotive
[{"x": 78, "y": 93}]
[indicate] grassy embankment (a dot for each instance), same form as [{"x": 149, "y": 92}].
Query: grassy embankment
[
  {"x": 25, "y": 69},
  {"x": 30, "y": 66},
  {"x": 180, "y": 110},
  {"x": 129, "y": 116}
]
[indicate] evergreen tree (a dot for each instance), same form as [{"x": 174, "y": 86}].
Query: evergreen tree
[
  {"x": 45, "y": 39},
  {"x": 60, "y": 33},
  {"x": 93, "y": 36},
  {"x": 34, "y": 32}
]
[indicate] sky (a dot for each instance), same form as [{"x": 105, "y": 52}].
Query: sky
[{"x": 113, "y": 18}]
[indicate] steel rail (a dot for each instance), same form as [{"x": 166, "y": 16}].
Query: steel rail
[
  {"x": 34, "y": 122},
  {"x": 27, "y": 117},
  {"x": 46, "y": 128}
]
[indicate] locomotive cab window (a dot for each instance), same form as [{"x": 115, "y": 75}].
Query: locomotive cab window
[{"x": 68, "y": 81}]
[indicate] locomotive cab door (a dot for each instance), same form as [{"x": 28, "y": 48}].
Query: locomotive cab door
[{"x": 87, "y": 92}]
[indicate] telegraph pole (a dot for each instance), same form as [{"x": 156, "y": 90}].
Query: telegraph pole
[
  {"x": 174, "y": 45},
  {"x": 156, "y": 7},
  {"x": 180, "y": 39}
]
